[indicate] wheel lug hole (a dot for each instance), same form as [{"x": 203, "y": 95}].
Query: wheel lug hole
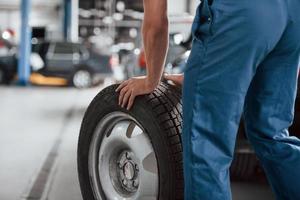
[
  {"x": 120, "y": 165},
  {"x": 128, "y": 156},
  {"x": 135, "y": 184},
  {"x": 128, "y": 171}
]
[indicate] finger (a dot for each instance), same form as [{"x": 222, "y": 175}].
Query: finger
[
  {"x": 169, "y": 77},
  {"x": 165, "y": 75},
  {"x": 122, "y": 85},
  {"x": 131, "y": 101},
  {"x": 126, "y": 97},
  {"x": 122, "y": 93},
  {"x": 177, "y": 79}
]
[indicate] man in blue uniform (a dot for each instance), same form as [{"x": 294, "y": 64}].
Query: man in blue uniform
[{"x": 244, "y": 59}]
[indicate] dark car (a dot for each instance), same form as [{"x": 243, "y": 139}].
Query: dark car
[
  {"x": 7, "y": 61},
  {"x": 7, "y": 68},
  {"x": 71, "y": 63},
  {"x": 80, "y": 66},
  {"x": 135, "y": 62}
]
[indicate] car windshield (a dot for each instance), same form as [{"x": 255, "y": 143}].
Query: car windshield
[{"x": 36, "y": 48}]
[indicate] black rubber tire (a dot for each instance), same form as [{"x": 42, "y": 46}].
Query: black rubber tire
[
  {"x": 160, "y": 114},
  {"x": 245, "y": 163},
  {"x": 163, "y": 108},
  {"x": 5, "y": 77},
  {"x": 244, "y": 166},
  {"x": 2, "y": 76}
]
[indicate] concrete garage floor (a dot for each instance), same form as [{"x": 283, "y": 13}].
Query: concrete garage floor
[{"x": 39, "y": 128}]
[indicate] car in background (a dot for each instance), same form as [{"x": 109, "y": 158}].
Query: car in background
[
  {"x": 77, "y": 65},
  {"x": 135, "y": 62},
  {"x": 180, "y": 39},
  {"x": 63, "y": 63},
  {"x": 7, "y": 61}
]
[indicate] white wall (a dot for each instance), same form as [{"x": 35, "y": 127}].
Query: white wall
[
  {"x": 9, "y": 16},
  {"x": 43, "y": 13},
  {"x": 176, "y": 6},
  {"x": 179, "y": 6},
  {"x": 194, "y": 4}
]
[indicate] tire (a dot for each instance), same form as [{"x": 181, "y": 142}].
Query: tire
[
  {"x": 159, "y": 117},
  {"x": 82, "y": 78},
  {"x": 244, "y": 166},
  {"x": 5, "y": 77},
  {"x": 2, "y": 76},
  {"x": 245, "y": 163}
]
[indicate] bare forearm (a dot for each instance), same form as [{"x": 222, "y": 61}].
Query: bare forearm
[
  {"x": 156, "y": 46},
  {"x": 156, "y": 39},
  {"x": 155, "y": 33}
]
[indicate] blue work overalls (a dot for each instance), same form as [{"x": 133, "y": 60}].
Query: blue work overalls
[{"x": 244, "y": 59}]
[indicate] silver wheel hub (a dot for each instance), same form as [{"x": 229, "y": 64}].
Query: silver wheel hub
[
  {"x": 128, "y": 171},
  {"x": 122, "y": 162}
]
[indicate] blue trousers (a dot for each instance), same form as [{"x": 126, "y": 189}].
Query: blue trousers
[{"x": 244, "y": 59}]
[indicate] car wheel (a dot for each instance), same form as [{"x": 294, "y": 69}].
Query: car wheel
[
  {"x": 134, "y": 154},
  {"x": 138, "y": 153},
  {"x": 2, "y": 78},
  {"x": 82, "y": 79},
  {"x": 244, "y": 166}
]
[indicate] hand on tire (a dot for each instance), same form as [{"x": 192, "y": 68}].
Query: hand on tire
[
  {"x": 132, "y": 88},
  {"x": 176, "y": 78}
]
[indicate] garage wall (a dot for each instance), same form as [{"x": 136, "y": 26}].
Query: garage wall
[
  {"x": 176, "y": 6},
  {"x": 9, "y": 17},
  {"x": 49, "y": 14},
  {"x": 44, "y": 13},
  {"x": 194, "y": 4},
  {"x": 179, "y": 6}
]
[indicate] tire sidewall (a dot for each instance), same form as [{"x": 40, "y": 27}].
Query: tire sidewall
[
  {"x": 2, "y": 76},
  {"x": 142, "y": 113}
]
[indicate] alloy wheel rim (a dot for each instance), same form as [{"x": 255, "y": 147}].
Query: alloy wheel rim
[{"x": 122, "y": 161}]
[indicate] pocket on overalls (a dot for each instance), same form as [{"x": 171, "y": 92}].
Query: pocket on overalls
[
  {"x": 201, "y": 31},
  {"x": 202, "y": 25}
]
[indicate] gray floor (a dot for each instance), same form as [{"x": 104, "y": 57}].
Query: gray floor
[{"x": 41, "y": 125}]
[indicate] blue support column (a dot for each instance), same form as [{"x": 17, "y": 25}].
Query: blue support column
[
  {"x": 25, "y": 44},
  {"x": 67, "y": 19}
]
